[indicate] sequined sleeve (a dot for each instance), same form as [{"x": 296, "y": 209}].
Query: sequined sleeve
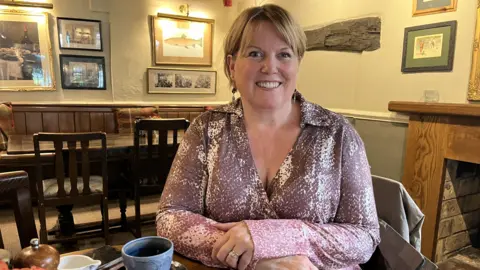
[
  {"x": 350, "y": 239},
  {"x": 180, "y": 214}
]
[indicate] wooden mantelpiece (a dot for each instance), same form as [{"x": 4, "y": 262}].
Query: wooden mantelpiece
[
  {"x": 434, "y": 108},
  {"x": 436, "y": 132}
]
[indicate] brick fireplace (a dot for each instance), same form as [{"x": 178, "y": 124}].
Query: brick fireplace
[
  {"x": 441, "y": 173},
  {"x": 460, "y": 209}
]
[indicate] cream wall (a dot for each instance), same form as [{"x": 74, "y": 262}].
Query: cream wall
[
  {"x": 126, "y": 41},
  {"x": 131, "y": 53},
  {"x": 365, "y": 83}
]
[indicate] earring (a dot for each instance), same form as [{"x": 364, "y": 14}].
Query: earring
[
  {"x": 294, "y": 98},
  {"x": 234, "y": 90}
]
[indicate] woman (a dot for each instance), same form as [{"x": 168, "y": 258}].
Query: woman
[{"x": 269, "y": 181}]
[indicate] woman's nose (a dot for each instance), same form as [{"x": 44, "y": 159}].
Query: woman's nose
[{"x": 269, "y": 66}]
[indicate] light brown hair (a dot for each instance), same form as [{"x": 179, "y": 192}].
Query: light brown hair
[{"x": 238, "y": 38}]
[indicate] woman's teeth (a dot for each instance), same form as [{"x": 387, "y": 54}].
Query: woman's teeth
[{"x": 268, "y": 84}]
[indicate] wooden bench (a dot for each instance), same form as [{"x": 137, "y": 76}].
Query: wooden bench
[{"x": 32, "y": 118}]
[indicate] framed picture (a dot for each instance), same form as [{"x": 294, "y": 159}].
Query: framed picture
[
  {"x": 79, "y": 34},
  {"x": 83, "y": 72},
  {"x": 180, "y": 81},
  {"x": 474, "y": 83},
  {"x": 26, "y": 62},
  {"x": 178, "y": 40},
  {"x": 426, "y": 7},
  {"x": 429, "y": 48}
]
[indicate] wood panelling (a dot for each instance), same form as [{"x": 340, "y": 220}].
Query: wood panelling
[
  {"x": 194, "y": 115},
  {"x": 423, "y": 172},
  {"x": 109, "y": 119},
  {"x": 50, "y": 122},
  {"x": 19, "y": 120},
  {"x": 172, "y": 114},
  {"x": 82, "y": 122},
  {"x": 34, "y": 122},
  {"x": 66, "y": 121},
  {"x": 32, "y": 118},
  {"x": 185, "y": 115},
  {"x": 97, "y": 121}
]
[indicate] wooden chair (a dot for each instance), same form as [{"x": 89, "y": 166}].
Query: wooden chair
[
  {"x": 15, "y": 186},
  {"x": 151, "y": 164},
  {"x": 86, "y": 189}
]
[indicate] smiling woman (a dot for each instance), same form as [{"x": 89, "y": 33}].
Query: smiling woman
[{"x": 269, "y": 180}]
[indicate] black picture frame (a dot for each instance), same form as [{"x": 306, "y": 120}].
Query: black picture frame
[
  {"x": 442, "y": 62},
  {"x": 94, "y": 26},
  {"x": 85, "y": 79}
]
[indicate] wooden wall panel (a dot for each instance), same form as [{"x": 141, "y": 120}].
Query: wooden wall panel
[
  {"x": 82, "y": 122},
  {"x": 20, "y": 125},
  {"x": 110, "y": 122},
  {"x": 66, "y": 121},
  {"x": 424, "y": 170},
  {"x": 172, "y": 114},
  {"x": 97, "y": 121},
  {"x": 84, "y": 118},
  {"x": 50, "y": 122},
  {"x": 183, "y": 115},
  {"x": 193, "y": 115},
  {"x": 34, "y": 122}
]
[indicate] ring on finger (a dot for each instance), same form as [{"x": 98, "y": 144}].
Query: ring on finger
[{"x": 233, "y": 254}]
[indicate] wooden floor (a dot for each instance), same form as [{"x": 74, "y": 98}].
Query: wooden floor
[{"x": 469, "y": 259}]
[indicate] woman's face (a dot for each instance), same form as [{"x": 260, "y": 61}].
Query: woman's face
[{"x": 266, "y": 73}]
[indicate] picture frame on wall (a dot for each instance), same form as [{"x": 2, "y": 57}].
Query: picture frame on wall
[
  {"x": 179, "y": 40},
  {"x": 427, "y": 7},
  {"x": 181, "y": 81},
  {"x": 474, "y": 82},
  {"x": 83, "y": 72},
  {"x": 429, "y": 48},
  {"x": 26, "y": 61},
  {"x": 79, "y": 34}
]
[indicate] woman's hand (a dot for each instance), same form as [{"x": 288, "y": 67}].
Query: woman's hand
[
  {"x": 235, "y": 247},
  {"x": 286, "y": 263}
]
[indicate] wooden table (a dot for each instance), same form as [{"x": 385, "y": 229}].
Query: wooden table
[{"x": 190, "y": 264}]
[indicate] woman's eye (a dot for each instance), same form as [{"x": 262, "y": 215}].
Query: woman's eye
[
  {"x": 254, "y": 54},
  {"x": 285, "y": 55}
]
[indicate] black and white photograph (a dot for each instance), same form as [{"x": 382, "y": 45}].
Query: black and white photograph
[
  {"x": 181, "y": 81},
  {"x": 79, "y": 34},
  {"x": 25, "y": 57},
  {"x": 83, "y": 72},
  {"x": 164, "y": 80}
]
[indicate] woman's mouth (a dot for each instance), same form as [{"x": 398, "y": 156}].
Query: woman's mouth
[{"x": 269, "y": 85}]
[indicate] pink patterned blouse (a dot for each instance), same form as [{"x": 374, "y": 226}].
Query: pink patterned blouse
[{"x": 320, "y": 203}]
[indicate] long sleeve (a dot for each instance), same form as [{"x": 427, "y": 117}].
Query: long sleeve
[
  {"x": 347, "y": 241},
  {"x": 180, "y": 214}
]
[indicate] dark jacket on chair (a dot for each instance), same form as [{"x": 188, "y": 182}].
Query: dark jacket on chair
[{"x": 400, "y": 229}]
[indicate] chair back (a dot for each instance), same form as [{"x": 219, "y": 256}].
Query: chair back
[
  {"x": 15, "y": 186},
  {"x": 155, "y": 145},
  {"x": 93, "y": 148}
]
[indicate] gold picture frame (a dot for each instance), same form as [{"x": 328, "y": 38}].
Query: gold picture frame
[
  {"x": 422, "y": 7},
  {"x": 180, "y": 40},
  {"x": 26, "y": 62},
  {"x": 474, "y": 82}
]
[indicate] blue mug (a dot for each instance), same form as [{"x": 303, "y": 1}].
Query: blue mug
[{"x": 151, "y": 252}]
